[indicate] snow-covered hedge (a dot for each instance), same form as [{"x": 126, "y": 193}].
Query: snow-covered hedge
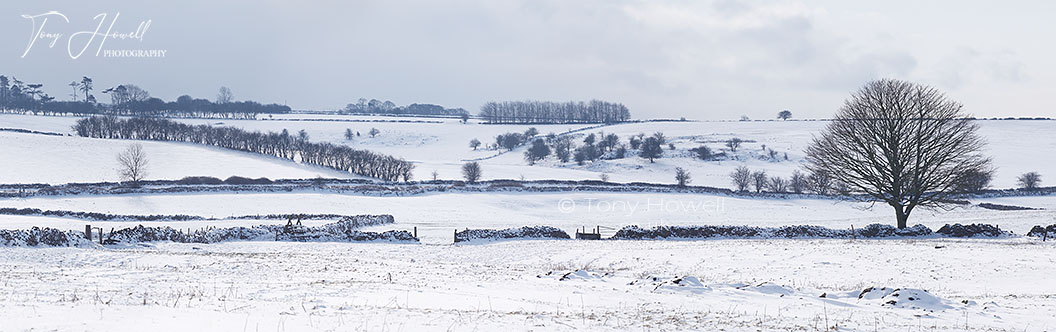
[
  {"x": 42, "y": 237},
  {"x": 344, "y": 230},
  {"x": 795, "y": 231},
  {"x": 527, "y": 232},
  {"x": 972, "y": 230}
]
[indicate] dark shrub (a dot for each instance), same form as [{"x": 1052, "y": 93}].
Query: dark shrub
[
  {"x": 973, "y": 230},
  {"x": 1039, "y": 231},
  {"x": 200, "y": 180},
  {"x": 243, "y": 180}
]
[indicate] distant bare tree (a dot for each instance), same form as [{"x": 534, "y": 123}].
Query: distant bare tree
[
  {"x": 973, "y": 180},
  {"x": 132, "y": 163},
  {"x": 474, "y": 143},
  {"x": 349, "y": 135},
  {"x": 777, "y": 184},
  {"x": 759, "y": 180},
  {"x": 471, "y": 171},
  {"x": 899, "y": 143},
  {"x": 682, "y": 176},
  {"x": 820, "y": 182},
  {"x": 563, "y": 147},
  {"x": 798, "y": 182},
  {"x": 742, "y": 178},
  {"x": 784, "y": 115},
  {"x": 86, "y": 87},
  {"x": 436, "y": 175},
  {"x": 733, "y": 144},
  {"x": 1029, "y": 180},
  {"x": 224, "y": 96}
]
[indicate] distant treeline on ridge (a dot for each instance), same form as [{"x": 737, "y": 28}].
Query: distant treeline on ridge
[
  {"x": 282, "y": 145},
  {"x": 127, "y": 100},
  {"x": 595, "y": 111},
  {"x": 374, "y": 106}
]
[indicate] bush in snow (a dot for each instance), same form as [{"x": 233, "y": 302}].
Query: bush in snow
[
  {"x": 1029, "y": 180},
  {"x": 651, "y": 149},
  {"x": 1046, "y": 232},
  {"x": 200, "y": 180},
  {"x": 533, "y": 232},
  {"x": 703, "y": 152},
  {"x": 243, "y": 180},
  {"x": 682, "y": 176},
  {"x": 471, "y": 171},
  {"x": 973, "y": 230}
]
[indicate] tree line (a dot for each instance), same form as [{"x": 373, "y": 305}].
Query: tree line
[
  {"x": 126, "y": 100},
  {"x": 374, "y": 106},
  {"x": 595, "y": 111},
  {"x": 281, "y": 145}
]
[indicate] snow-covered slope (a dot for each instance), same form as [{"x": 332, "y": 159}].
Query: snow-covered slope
[
  {"x": 441, "y": 145},
  {"x": 32, "y": 158}
]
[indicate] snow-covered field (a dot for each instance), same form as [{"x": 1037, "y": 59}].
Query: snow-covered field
[
  {"x": 437, "y": 216},
  {"x": 31, "y": 158},
  {"x": 731, "y": 285},
  {"x": 927, "y": 284},
  {"x": 1016, "y": 146}
]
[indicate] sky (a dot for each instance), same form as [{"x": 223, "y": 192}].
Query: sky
[{"x": 708, "y": 60}]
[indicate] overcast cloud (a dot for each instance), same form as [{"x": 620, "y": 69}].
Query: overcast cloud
[{"x": 698, "y": 59}]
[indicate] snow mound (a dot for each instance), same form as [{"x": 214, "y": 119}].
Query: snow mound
[
  {"x": 689, "y": 284},
  {"x": 580, "y": 275},
  {"x": 769, "y": 288},
  {"x": 527, "y": 232},
  {"x": 904, "y": 298}
]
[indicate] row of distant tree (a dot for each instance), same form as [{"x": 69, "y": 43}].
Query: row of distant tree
[
  {"x": 125, "y": 99},
  {"x": 281, "y": 145},
  {"x": 374, "y": 106},
  {"x": 595, "y": 111}
]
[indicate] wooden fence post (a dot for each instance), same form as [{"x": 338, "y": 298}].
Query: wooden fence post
[{"x": 88, "y": 232}]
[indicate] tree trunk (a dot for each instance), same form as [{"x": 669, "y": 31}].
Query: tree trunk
[{"x": 902, "y": 216}]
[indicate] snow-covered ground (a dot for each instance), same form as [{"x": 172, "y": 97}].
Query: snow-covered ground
[
  {"x": 1016, "y": 146},
  {"x": 731, "y": 285},
  {"x": 438, "y": 215},
  {"x": 32, "y": 158},
  {"x": 720, "y": 284}
]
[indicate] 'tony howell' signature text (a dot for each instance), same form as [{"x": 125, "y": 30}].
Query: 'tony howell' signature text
[{"x": 78, "y": 42}]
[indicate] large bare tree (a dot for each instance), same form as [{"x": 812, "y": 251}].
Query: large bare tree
[
  {"x": 899, "y": 143},
  {"x": 132, "y": 163}
]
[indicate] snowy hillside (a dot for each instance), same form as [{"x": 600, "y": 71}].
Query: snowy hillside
[
  {"x": 441, "y": 145},
  {"x": 32, "y": 158}
]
